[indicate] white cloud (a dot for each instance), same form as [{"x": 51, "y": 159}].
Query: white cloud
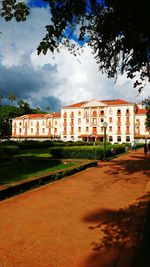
[{"x": 60, "y": 77}]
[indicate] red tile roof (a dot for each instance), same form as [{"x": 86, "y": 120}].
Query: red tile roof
[
  {"x": 116, "y": 102},
  {"x": 108, "y": 102},
  {"x": 141, "y": 111},
  {"x": 76, "y": 104},
  {"x": 34, "y": 116}
]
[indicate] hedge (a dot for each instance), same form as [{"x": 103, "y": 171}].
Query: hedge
[
  {"x": 8, "y": 150},
  {"x": 86, "y": 152}
]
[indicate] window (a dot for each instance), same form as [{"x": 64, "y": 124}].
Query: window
[
  {"x": 102, "y": 129},
  {"x": 31, "y": 123},
  {"x": 127, "y": 129},
  {"x": 79, "y": 120},
  {"x": 31, "y": 130},
  {"x": 72, "y": 122},
  {"x": 65, "y": 115},
  {"x": 87, "y": 129},
  {"x": 20, "y": 123},
  {"x": 110, "y": 128},
  {"x": 65, "y": 122},
  {"x": 86, "y": 112},
  {"x": 127, "y": 120},
  {"x": 55, "y": 130},
  {"x": 118, "y": 138},
  {"x": 87, "y": 120},
  {"x": 94, "y": 114},
  {"x": 101, "y": 120},
  {"x": 110, "y": 111},
  {"x": 110, "y": 138},
  {"x": 43, "y": 130},
  {"x": 94, "y": 129},
  {"x": 127, "y": 111},
  {"x": 72, "y": 114},
  {"x": 79, "y": 129},
  {"x": 55, "y": 122},
  {"x": 110, "y": 119},
  {"x": 79, "y": 113},
  {"x": 20, "y": 130},
  {"x": 127, "y": 138},
  {"x": 119, "y": 112},
  {"x": 43, "y": 123},
  {"x": 102, "y": 112},
  {"x": 119, "y": 120},
  {"x": 94, "y": 121},
  {"x": 119, "y": 129}
]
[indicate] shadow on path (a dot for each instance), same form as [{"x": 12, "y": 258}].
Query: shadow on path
[
  {"x": 134, "y": 164},
  {"x": 118, "y": 233}
]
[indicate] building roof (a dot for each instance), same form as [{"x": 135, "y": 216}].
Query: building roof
[
  {"x": 39, "y": 116},
  {"x": 142, "y": 111},
  {"x": 107, "y": 102},
  {"x": 76, "y": 105},
  {"x": 116, "y": 102}
]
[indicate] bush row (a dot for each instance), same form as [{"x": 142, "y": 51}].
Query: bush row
[
  {"x": 29, "y": 144},
  {"x": 9, "y": 150},
  {"x": 86, "y": 152}
]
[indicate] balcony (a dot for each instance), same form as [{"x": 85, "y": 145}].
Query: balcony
[
  {"x": 71, "y": 132},
  {"x": 118, "y": 122},
  {"x": 71, "y": 123},
  {"x": 127, "y": 122},
  {"x": 127, "y": 113},
  {"x": 118, "y": 132},
  {"x": 128, "y": 132},
  {"x": 65, "y": 124},
  {"x": 64, "y": 133}
]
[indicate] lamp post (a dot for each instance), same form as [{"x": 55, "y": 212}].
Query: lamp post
[{"x": 105, "y": 127}]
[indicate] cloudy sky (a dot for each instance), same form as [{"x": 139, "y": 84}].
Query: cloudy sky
[{"x": 52, "y": 80}]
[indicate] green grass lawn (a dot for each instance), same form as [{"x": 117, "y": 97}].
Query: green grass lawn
[
  {"x": 12, "y": 171},
  {"x": 43, "y": 152}
]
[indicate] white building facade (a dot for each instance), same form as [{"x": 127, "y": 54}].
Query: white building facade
[
  {"x": 85, "y": 121},
  {"x": 36, "y": 127}
]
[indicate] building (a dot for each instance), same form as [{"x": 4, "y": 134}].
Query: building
[
  {"x": 85, "y": 121},
  {"x": 36, "y": 126}
]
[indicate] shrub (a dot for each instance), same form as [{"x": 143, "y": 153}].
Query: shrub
[
  {"x": 85, "y": 152},
  {"x": 8, "y": 150}
]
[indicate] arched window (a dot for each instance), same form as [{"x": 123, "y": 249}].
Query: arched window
[
  {"x": 118, "y": 138},
  {"x": 127, "y": 138},
  {"x": 110, "y": 138}
]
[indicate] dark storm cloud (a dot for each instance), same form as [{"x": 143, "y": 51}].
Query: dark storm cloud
[
  {"x": 49, "y": 104},
  {"x": 26, "y": 82}
]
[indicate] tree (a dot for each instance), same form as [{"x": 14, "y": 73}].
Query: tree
[
  {"x": 1, "y": 97},
  {"x": 11, "y": 97},
  {"x": 117, "y": 31},
  {"x": 147, "y": 104},
  {"x": 20, "y": 103}
]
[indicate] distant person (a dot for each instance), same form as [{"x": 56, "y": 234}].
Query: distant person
[
  {"x": 148, "y": 148},
  {"x": 133, "y": 145},
  {"x": 145, "y": 148}
]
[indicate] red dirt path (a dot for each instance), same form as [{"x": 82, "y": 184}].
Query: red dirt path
[{"x": 90, "y": 219}]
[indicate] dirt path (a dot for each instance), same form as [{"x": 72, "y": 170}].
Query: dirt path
[{"x": 89, "y": 219}]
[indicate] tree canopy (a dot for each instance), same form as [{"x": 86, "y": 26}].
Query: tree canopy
[{"x": 117, "y": 31}]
